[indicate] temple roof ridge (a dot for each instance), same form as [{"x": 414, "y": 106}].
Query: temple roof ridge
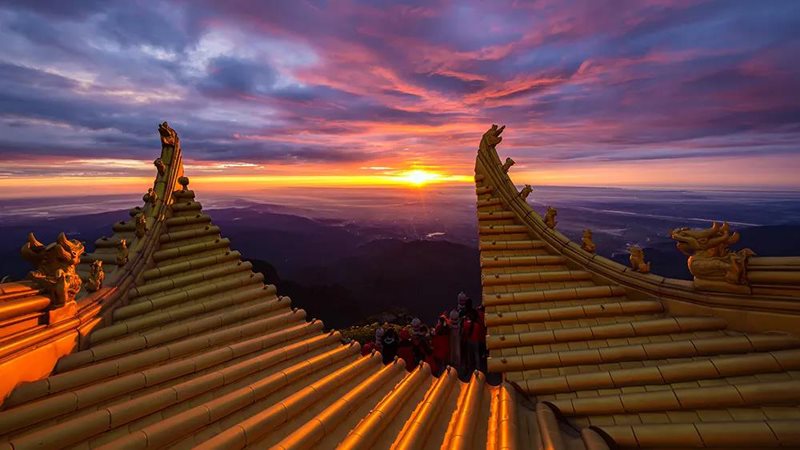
[
  {"x": 188, "y": 347},
  {"x": 618, "y": 352}
]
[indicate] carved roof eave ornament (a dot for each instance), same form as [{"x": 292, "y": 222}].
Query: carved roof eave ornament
[
  {"x": 160, "y": 167},
  {"x": 712, "y": 264},
  {"x": 488, "y": 146},
  {"x": 550, "y": 217},
  {"x": 169, "y": 168},
  {"x": 637, "y": 259},
  {"x": 525, "y": 192},
  {"x": 169, "y": 137},
  {"x": 587, "y": 244},
  {"x": 54, "y": 270}
]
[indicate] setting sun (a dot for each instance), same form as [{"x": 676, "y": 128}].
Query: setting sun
[{"x": 419, "y": 177}]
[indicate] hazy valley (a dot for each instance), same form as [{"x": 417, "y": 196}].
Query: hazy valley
[{"x": 349, "y": 259}]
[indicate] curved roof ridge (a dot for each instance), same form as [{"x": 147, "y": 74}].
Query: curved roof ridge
[
  {"x": 619, "y": 352},
  {"x": 199, "y": 351}
]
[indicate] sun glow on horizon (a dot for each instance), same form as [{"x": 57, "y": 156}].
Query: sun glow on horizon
[{"x": 420, "y": 177}]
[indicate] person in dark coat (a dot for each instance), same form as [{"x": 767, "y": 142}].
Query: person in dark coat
[
  {"x": 464, "y": 304},
  {"x": 419, "y": 342},
  {"x": 454, "y": 325},
  {"x": 390, "y": 342}
]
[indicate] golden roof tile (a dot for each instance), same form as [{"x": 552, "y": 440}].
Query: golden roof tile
[{"x": 606, "y": 345}]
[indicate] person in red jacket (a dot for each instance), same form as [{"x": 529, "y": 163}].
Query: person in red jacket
[
  {"x": 405, "y": 350},
  {"x": 367, "y": 348},
  {"x": 471, "y": 331},
  {"x": 441, "y": 344}
]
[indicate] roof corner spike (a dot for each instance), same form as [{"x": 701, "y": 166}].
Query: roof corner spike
[
  {"x": 507, "y": 165},
  {"x": 168, "y": 136}
]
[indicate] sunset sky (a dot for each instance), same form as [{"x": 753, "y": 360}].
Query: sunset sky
[{"x": 674, "y": 93}]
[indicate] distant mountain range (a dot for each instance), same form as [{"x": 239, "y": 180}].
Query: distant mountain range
[
  {"x": 344, "y": 272},
  {"x": 423, "y": 277}
]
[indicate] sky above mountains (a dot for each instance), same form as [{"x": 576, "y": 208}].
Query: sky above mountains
[{"x": 623, "y": 92}]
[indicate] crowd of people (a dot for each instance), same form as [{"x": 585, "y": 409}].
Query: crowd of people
[{"x": 458, "y": 340}]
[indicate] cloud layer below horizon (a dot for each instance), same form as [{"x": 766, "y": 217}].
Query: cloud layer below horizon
[{"x": 646, "y": 92}]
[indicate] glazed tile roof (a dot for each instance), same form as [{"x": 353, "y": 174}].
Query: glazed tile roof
[
  {"x": 643, "y": 368},
  {"x": 204, "y": 354},
  {"x": 187, "y": 347}
]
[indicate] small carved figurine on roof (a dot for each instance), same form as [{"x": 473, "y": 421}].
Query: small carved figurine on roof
[
  {"x": 637, "y": 259},
  {"x": 55, "y": 267},
  {"x": 550, "y": 217},
  {"x": 122, "y": 253},
  {"x": 168, "y": 135},
  {"x": 184, "y": 182},
  {"x": 586, "y": 241},
  {"x": 133, "y": 212},
  {"x": 96, "y": 276},
  {"x": 491, "y": 138},
  {"x": 150, "y": 197},
  {"x": 141, "y": 225},
  {"x": 711, "y": 263},
  {"x": 162, "y": 169},
  {"x": 507, "y": 165},
  {"x": 526, "y": 191}
]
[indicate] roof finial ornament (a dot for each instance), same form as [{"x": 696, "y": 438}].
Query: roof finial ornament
[
  {"x": 526, "y": 191},
  {"x": 162, "y": 169},
  {"x": 55, "y": 267},
  {"x": 586, "y": 241},
  {"x": 550, "y": 217},
  {"x": 507, "y": 165},
  {"x": 184, "y": 182},
  {"x": 637, "y": 259},
  {"x": 168, "y": 136},
  {"x": 96, "y": 276},
  {"x": 491, "y": 138},
  {"x": 712, "y": 264}
]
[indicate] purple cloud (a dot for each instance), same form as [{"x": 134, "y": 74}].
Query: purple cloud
[{"x": 346, "y": 81}]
